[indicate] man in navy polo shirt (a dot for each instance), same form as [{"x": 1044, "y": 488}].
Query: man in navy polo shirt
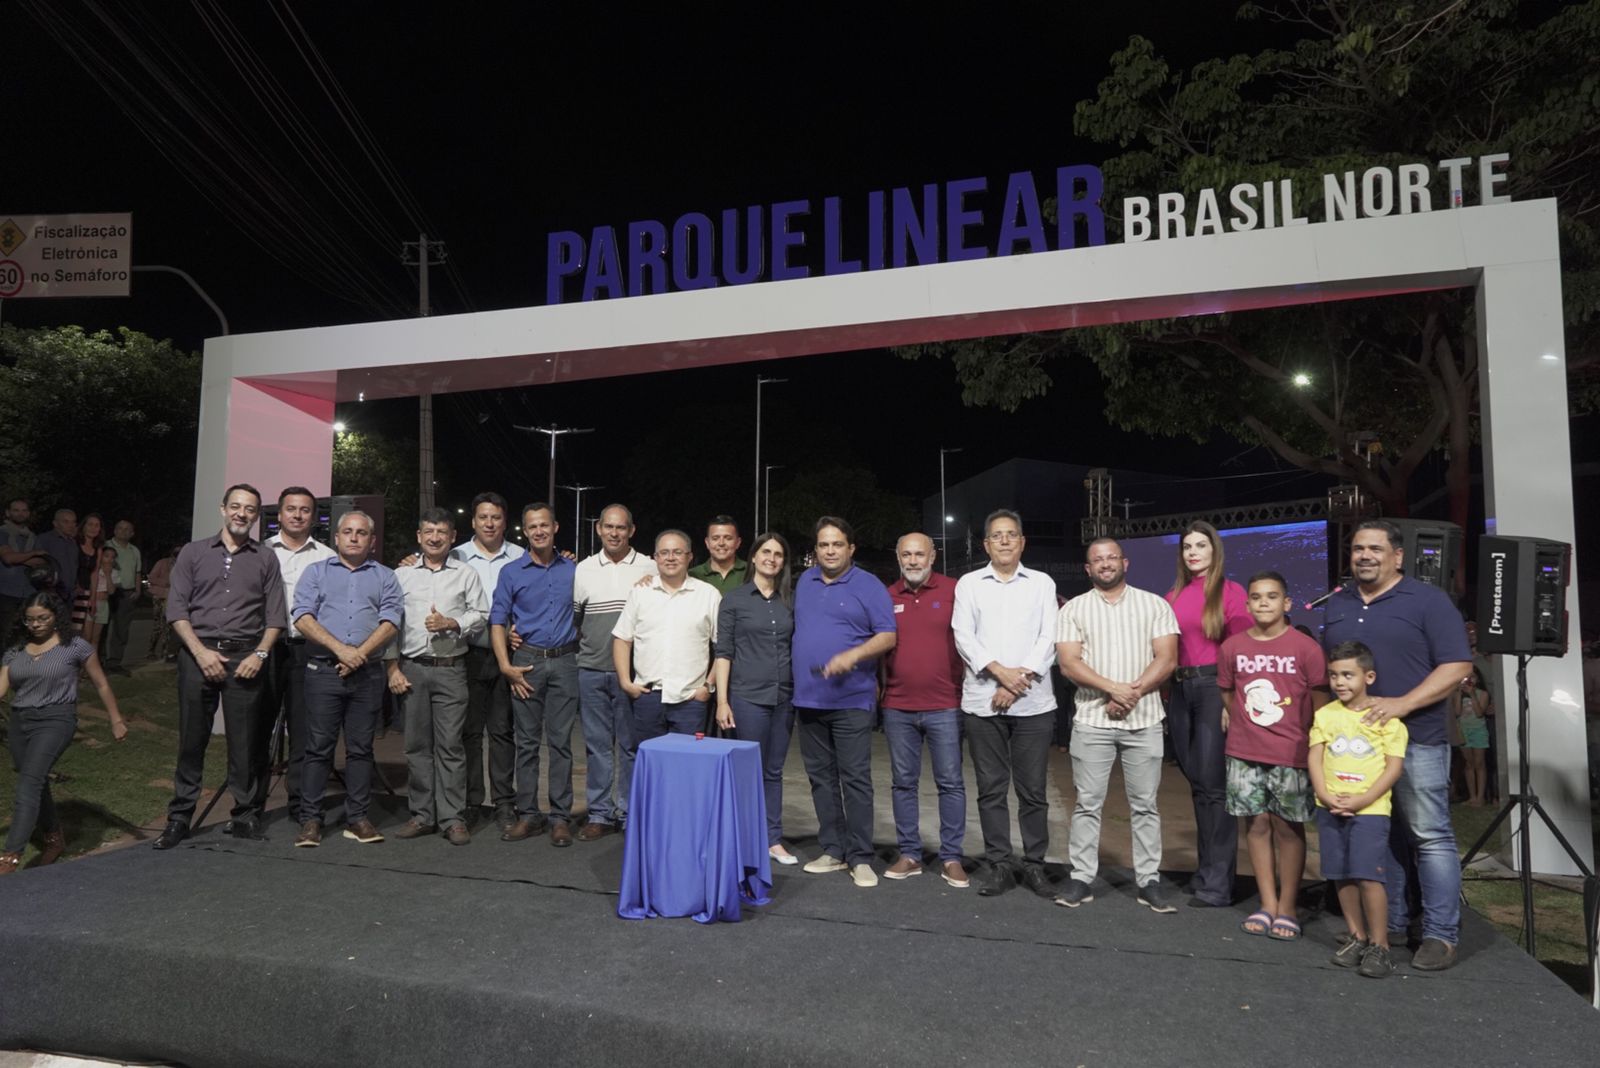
[
  {"x": 843, "y": 621},
  {"x": 1420, "y": 644},
  {"x": 534, "y": 596}
]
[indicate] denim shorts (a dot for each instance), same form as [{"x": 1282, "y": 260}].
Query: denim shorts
[{"x": 1354, "y": 847}]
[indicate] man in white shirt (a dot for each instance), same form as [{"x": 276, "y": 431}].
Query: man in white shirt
[
  {"x": 1004, "y": 625},
  {"x": 285, "y": 680},
  {"x": 445, "y": 607},
  {"x": 662, "y": 644},
  {"x": 1118, "y": 644},
  {"x": 487, "y": 552}
]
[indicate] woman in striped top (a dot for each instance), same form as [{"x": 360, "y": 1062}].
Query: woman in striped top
[{"x": 41, "y": 666}]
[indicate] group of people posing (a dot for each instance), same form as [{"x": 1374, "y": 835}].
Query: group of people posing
[{"x": 495, "y": 653}]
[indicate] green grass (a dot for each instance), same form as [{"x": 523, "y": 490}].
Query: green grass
[{"x": 104, "y": 789}]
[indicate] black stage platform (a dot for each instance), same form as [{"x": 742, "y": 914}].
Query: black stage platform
[{"x": 419, "y": 953}]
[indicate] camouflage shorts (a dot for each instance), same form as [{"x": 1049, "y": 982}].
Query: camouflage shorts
[{"x": 1256, "y": 788}]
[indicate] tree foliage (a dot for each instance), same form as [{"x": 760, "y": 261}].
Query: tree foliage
[
  {"x": 1363, "y": 82},
  {"x": 373, "y": 463},
  {"x": 100, "y": 422}
]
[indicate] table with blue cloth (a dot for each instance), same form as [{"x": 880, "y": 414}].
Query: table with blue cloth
[{"x": 697, "y": 830}]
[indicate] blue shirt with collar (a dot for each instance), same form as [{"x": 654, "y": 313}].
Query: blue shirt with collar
[
  {"x": 1411, "y": 629},
  {"x": 830, "y": 617},
  {"x": 536, "y": 599},
  {"x": 349, "y": 603}
]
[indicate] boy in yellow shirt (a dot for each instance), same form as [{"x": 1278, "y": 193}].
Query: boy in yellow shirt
[{"x": 1353, "y": 766}]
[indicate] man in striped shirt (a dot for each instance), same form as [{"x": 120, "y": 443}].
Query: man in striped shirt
[
  {"x": 599, "y": 593},
  {"x": 1117, "y": 644}
]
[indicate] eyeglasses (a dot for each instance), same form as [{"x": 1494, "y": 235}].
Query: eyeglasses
[
  {"x": 1004, "y": 536},
  {"x": 670, "y": 553}
]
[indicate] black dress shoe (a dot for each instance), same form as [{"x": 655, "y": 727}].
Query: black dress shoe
[
  {"x": 997, "y": 880},
  {"x": 247, "y": 828},
  {"x": 1035, "y": 879},
  {"x": 174, "y": 832}
]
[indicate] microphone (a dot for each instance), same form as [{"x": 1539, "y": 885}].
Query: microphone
[{"x": 1312, "y": 604}]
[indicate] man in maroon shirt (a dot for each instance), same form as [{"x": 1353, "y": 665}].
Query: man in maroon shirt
[{"x": 922, "y": 701}]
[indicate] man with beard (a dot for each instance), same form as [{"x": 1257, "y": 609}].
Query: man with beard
[
  {"x": 285, "y": 680},
  {"x": 18, "y": 552},
  {"x": 1420, "y": 645},
  {"x": 1004, "y": 623},
  {"x": 227, "y": 608},
  {"x": 922, "y": 702},
  {"x": 843, "y": 622},
  {"x": 1118, "y": 644}
]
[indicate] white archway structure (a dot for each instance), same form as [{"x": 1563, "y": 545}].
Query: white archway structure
[{"x": 267, "y": 402}]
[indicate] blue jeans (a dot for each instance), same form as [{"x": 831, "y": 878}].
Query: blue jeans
[
  {"x": 836, "y": 744},
  {"x": 653, "y": 717},
  {"x": 548, "y": 712},
  {"x": 608, "y": 738},
  {"x": 769, "y": 726},
  {"x": 351, "y": 702},
  {"x": 1194, "y": 716},
  {"x": 905, "y": 732},
  {"x": 1426, "y": 874}
]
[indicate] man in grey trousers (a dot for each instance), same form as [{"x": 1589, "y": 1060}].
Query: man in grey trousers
[{"x": 445, "y": 607}]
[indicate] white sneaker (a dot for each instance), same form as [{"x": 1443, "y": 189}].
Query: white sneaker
[
  {"x": 825, "y": 864},
  {"x": 864, "y": 876}
]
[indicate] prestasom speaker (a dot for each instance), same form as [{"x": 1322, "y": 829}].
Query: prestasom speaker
[{"x": 1522, "y": 596}]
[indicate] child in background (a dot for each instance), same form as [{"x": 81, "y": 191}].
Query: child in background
[
  {"x": 1353, "y": 766},
  {"x": 1470, "y": 702},
  {"x": 1272, "y": 679}
]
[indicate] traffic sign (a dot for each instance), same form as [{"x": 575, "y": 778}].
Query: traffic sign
[{"x": 66, "y": 255}]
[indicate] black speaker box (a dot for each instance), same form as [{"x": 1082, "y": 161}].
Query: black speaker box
[{"x": 1522, "y": 596}]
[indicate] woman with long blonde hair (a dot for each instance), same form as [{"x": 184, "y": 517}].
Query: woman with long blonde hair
[{"x": 1210, "y": 608}]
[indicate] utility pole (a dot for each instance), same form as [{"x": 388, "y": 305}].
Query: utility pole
[
  {"x": 944, "y": 517},
  {"x": 766, "y": 512},
  {"x": 554, "y": 432},
  {"x": 760, "y": 381},
  {"x": 577, "y": 516},
  {"x": 423, "y": 254}
]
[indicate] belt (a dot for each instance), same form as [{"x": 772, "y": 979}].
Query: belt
[
  {"x": 328, "y": 658},
  {"x": 1185, "y": 673},
  {"x": 292, "y": 641},
  {"x": 435, "y": 661},
  {"x": 549, "y": 654},
  {"x": 230, "y": 645}
]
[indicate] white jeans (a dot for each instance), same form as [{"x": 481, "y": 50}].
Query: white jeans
[{"x": 1094, "y": 751}]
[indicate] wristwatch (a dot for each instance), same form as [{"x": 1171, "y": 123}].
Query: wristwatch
[{"x": 262, "y": 654}]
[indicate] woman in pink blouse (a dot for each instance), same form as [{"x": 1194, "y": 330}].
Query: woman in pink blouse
[{"x": 1210, "y": 608}]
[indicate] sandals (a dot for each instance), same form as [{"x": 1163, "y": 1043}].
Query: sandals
[
  {"x": 1282, "y": 928},
  {"x": 1257, "y": 923}
]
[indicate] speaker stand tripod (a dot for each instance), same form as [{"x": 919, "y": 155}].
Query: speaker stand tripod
[{"x": 1526, "y": 804}]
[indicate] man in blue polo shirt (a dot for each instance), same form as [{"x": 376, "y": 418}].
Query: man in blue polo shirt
[
  {"x": 843, "y": 622},
  {"x": 349, "y": 606},
  {"x": 534, "y": 595},
  {"x": 1420, "y": 644}
]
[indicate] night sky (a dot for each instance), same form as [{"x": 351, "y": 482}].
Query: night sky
[{"x": 502, "y": 125}]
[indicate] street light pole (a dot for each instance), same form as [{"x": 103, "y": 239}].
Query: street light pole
[
  {"x": 554, "y": 432},
  {"x": 944, "y": 516},
  {"x": 760, "y": 381},
  {"x": 766, "y": 515},
  {"x": 577, "y": 515}
]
